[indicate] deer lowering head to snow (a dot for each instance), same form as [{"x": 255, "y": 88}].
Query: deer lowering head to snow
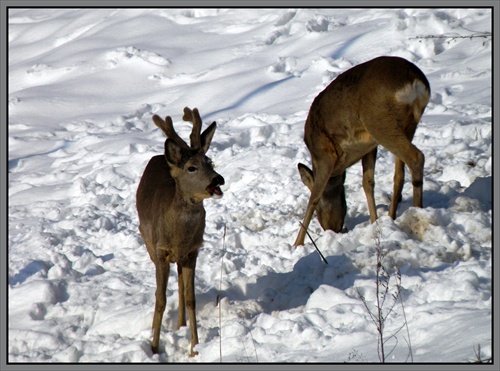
[
  {"x": 169, "y": 202},
  {"x": 377, "y": 102}
]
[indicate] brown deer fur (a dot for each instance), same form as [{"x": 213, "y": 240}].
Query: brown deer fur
[
  {"x": 379, "y": 102},
  {"x": 169, "y": 202}
]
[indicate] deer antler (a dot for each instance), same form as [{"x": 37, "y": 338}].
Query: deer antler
[
  {"x": 194, "y": 117},
  {"x": 167, "y": 127}
]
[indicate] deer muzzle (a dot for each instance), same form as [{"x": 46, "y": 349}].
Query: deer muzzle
[{"x": 214, "y": 187}]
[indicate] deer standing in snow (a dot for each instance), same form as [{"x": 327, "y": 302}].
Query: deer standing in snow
[
  {"x": 377, "y": 102},
  {"x": 169, "y": 202}
]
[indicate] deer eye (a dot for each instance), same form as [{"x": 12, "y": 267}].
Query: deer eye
[{"x": 192, "y": 169}]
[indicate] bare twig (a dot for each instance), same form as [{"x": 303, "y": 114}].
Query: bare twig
[
  {"x": 475, "y": 35},
  {"x": 219, "y": 298},
  {"x": 479, "y": 358},
  {"x": 253, "y": 344},
  {"x": 382, "y": 308},
  {"x": 314, "y": 243},
  {"x": 254, "y": 348},
  {"x": 408, "y": 341}
]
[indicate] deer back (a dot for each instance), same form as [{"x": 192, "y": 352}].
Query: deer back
[{"x": 361, "y": 105}]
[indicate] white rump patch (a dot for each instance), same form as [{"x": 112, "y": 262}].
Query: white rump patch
[
  {"x": 415, "y": 94},
  {"x": 411, "y": 92}
]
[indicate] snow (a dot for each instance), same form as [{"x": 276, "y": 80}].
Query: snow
[{"x": 83, "y": 86}]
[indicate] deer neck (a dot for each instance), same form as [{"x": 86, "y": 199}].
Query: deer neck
[{"x": 187, "y": 202}]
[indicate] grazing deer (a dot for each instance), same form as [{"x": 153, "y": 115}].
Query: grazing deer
[
  {"x": 377, "y": 102},
  {"x": 169, "y": 202}
]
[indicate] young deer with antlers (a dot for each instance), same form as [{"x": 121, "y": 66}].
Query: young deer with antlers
[
  {"x": 377, "y": 102},
  {"x": 169, "y": 202}
]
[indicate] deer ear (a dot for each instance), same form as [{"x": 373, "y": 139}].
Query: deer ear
[
  {"x": 306, "y": 175},
  {"x": 206, "y": 137},
  {"x": 173, "y": 152}
]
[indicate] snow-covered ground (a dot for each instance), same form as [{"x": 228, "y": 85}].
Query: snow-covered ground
[{"x": 83, "y": 86}]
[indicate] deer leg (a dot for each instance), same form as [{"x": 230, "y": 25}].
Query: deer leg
[
  {"x": 414, "y": 159},
  {"x": 307, "y": 219},
  {"x": 368, "y": 162},
  {"x": 399, "y": 143},
  {"x": 321, "y": 175},
  {"x": 188, "y": 270},
  {"x": 399, "y": 178},
  {"x": 417, "y": 170},
  {"x": 181, "y": 321},
  {"x": 162, "y": 272}
]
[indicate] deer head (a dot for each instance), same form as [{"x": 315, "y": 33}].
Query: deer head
[
  {"x": 331, "y": 207},
  {"x": 189, "y": 166}
]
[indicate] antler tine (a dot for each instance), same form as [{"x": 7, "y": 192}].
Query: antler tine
[
  {"x": 194, "y": 117},
  {"x": 167, "y": 127}
]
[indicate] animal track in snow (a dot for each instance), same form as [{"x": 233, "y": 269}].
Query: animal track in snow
[{"x": 123, "y": 54}]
